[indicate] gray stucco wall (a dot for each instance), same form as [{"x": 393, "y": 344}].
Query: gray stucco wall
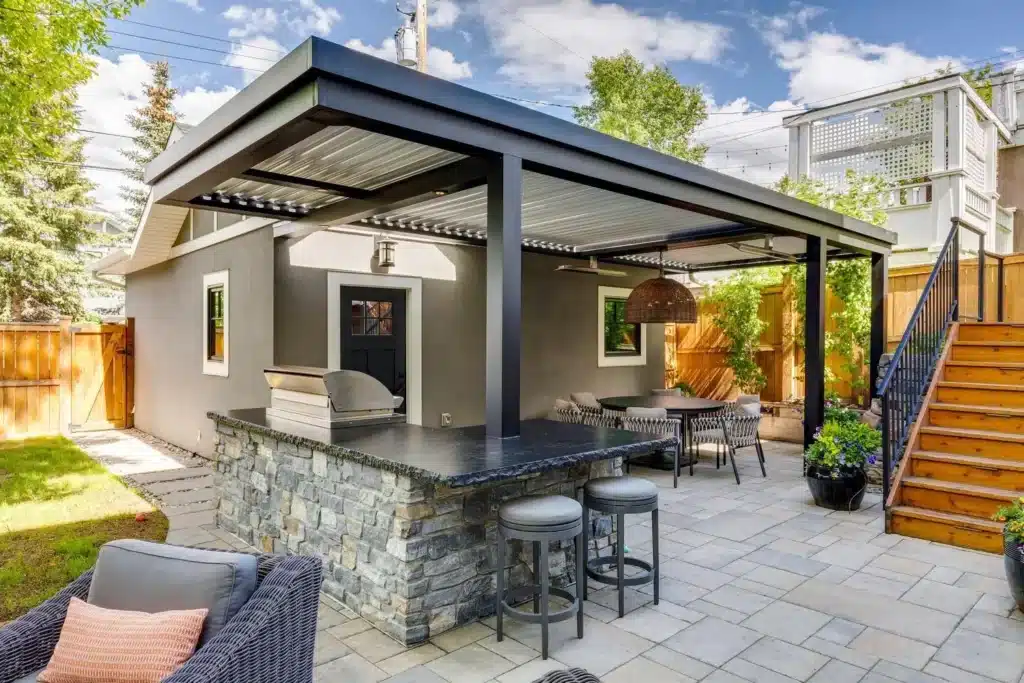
[
  {"x": 559, "y": 347},
  {"x": 172, "y": 395}
]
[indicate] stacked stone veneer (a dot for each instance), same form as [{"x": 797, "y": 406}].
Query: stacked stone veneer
[{"x": 413, "y": 557}]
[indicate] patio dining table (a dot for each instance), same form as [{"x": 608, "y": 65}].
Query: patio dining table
[{"x": 683, "y": 407}]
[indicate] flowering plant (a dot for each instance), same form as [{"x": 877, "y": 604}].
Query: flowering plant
[
  {"x": 1012, "y": 517},
  {"x": 843, "y": 446}
]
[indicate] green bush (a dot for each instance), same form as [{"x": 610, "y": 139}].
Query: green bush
[{"x": 841, "y": 447}]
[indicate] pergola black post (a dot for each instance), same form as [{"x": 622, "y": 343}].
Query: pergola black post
[
  {"x": 814, "y": 339},
  {"x": 504, "y": 292},
  {"x": 879, "y": 285}
]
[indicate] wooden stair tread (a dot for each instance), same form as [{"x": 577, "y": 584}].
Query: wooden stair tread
[
  {"x": 1009, "y": 365},
  {"x": 987, "y": 410},
  {"x": 973, "y": 433},
  {"x": 987, "y": 386},
  {"x": 989, "y": 323},
  {"x": 989, "y": 342},
  {"x": 970, "y": 460},
  {"x": 961, "y": 488},
  {"x": 950, "y": 518}
]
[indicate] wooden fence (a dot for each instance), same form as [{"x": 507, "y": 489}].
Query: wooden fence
[
  {"x": 57, "y": 378},
  {"x": 697, "y": 353}
]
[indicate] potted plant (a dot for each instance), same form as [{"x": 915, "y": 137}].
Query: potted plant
[
  {"x": 1012, "y": 517},
  {"x": 836, "y": 460}
]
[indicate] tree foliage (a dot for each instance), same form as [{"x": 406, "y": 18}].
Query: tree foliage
[
  {"x": 152, "y": 124},
  {"x": 736, "y": 302},
  {"x": 644, "y": 105},
  {"x": 850, "y": 279},
  {"x": 43, "y": 223},
  {"x": 44, "y": 56}
]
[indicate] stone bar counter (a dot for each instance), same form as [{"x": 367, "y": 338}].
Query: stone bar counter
[{"x": 405, "y": 516}]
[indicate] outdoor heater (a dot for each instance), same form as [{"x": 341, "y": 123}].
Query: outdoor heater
[{"x": 329, "y": 398}]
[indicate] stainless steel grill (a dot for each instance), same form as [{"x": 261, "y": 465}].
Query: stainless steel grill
[{"x": 328, "y": 398}]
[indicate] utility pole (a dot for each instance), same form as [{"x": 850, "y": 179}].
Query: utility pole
[{"x": 421, "y": 35}]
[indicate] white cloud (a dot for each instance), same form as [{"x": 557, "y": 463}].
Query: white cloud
[
  {"x": 550, "y": 42},
  {"x": 254, "y": 56},
  {"x": 747, "y": 142},
  {"x": 254, "y": 21},
  {"x": 440, "y": 63},
  {"x": 105, "y": 101},
  {"x": 191, "y": 4},
  {"x": 825, "y": 65},
  {"x": 443, "y": 14},
  {"x": 313, "y": 18}
]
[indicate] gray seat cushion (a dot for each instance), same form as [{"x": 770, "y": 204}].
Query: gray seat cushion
[
  {"x": 585, "y": 399},
  {"x": 653, "y": 413},
  {"x": 621, "y": 488},
  {"x": 31, "y": 678},
  {"x": 541, "y": 511},
  {"x": 152, "y": 577},
  {"x": 751, "y": 409}
]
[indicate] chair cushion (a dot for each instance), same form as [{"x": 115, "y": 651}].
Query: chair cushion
[
  {"x": 98, "y": 645},
  {"x": 621, "y": 488},
  {"x": 152, "y": 577},
  {"x": 540, "y": 511},
  {"x": 655, "y": 413},
  {"x": 751, "y": 409},
  {"x": 585, "y": 399},
  {"x": 563, "y": 406}
]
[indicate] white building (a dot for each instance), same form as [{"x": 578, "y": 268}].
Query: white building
[{"x": 937, "y": 143}]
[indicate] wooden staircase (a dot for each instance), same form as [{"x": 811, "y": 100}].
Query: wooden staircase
[{"x": 965, "y": 454}]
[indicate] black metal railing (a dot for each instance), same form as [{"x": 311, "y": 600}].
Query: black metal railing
[{"x": 905, "y": 382}]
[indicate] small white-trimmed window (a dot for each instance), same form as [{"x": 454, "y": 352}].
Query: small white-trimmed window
[
  {"x": 618, "y": 343},
  {"x": 215, "y": 323}
]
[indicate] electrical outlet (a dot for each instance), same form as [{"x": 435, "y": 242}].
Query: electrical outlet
[{"x": 446, "y": 419}]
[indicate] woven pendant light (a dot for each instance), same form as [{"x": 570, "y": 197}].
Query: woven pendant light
[{"x": 661, "y": 300}]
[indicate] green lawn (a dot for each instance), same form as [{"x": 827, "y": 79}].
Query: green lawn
[{"x": 57, "y": 507}]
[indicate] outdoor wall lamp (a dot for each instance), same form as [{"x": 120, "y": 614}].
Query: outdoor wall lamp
[{"x": 385, "y": 252}]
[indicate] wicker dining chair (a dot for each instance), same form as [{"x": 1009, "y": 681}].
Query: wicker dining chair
[
  {"x": 656, "y": 421},
  {"x": 731, "y": 428}
]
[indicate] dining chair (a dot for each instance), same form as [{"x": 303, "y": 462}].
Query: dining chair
[
  {"x": 656, "y": 420},
  {"x": 586, "y": 401},
  {"x": 730, "y": 429}
]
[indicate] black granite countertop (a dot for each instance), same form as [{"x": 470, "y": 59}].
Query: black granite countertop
[{"x": 462, "y": 456}]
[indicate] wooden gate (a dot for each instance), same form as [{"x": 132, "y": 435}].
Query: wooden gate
[{"x": 55, "y": 378}]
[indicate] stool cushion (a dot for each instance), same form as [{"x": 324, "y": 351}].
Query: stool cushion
[
  {"x": 540, "y": 511},
  {"x": 621, "y": 488}
]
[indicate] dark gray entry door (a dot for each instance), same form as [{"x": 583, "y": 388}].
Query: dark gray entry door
[{"x": 373, "y": 335}]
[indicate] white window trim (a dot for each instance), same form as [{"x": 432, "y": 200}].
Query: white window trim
[
  {"x": 214, "y": 367},
  {"x": 604, "y": 361},
  {"x": 413, "y": 287}
]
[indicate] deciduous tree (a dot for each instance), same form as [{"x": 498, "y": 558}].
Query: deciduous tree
[{"x": 644, "y": 105}]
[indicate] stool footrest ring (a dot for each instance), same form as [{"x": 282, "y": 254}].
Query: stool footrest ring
[
  {"x": 595, "y": 572},
  {"x": 527, "y": 593}
]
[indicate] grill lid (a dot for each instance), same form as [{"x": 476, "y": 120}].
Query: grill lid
[{"x": 347, "y": 390}]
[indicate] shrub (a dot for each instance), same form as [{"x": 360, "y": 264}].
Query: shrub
[
  {"x": 841, "y": 447},
  {"x": 836, "y": 412},
  {"x": 1012, "y": 517}
]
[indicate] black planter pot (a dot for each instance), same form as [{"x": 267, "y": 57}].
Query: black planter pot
[
  {"x": 844, "y": 492},
  {"x": 1013, "y": 562}
]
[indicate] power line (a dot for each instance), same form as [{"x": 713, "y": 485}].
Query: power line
[
  {"x": 187, "y": 45},
  {"x": 90, "y": 167},
  {"x": 207, "y": 37},
  {"x": 100, "y": 132},
  {"x": 120, "y": 48}
]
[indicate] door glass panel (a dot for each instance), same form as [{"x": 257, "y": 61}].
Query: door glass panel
[{"x": 385, "y": 326}]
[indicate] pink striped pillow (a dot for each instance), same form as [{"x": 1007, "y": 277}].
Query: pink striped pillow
[{"x": 99, "y": 645}]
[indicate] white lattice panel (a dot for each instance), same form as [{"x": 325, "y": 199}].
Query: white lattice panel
[
  {"x": 975, "y": 167},
  {"x": 974, "y": 136},
  {"x": 866, "y": 136}
]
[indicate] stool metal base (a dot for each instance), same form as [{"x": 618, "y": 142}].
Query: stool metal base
[
  {"x": 595, "y": 572},
  {"x": 527, "y": 592}
]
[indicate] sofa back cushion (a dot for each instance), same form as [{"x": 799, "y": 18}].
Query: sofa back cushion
[
  {"x": 100, "y": 645},
  {"x": 152, "y": 577}
]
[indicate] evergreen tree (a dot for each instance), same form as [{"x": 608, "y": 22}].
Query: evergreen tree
[
  {"x": 152, "y": 124},
  {"x": 44, "y": 220}
]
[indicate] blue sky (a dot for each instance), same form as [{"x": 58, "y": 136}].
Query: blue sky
[{"x": 747, "y": 56}]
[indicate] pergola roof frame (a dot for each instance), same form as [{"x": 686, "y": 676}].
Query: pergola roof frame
[{"x": 321, "y": 84}]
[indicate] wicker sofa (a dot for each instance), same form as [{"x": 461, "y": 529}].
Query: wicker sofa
[{"x": 270, "y": 640}]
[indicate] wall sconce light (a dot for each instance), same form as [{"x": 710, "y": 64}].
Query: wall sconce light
[{"x": 386, "y": 252}]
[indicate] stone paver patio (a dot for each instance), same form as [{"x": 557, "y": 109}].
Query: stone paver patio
[{"x": 758, "y": 586}]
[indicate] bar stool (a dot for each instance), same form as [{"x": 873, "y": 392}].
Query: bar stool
[
  {"x": 540, "y": 519},
  {"x": 622, "y": 496}
]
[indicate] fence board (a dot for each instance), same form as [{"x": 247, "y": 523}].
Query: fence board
[{"x": 42, "y": 382}]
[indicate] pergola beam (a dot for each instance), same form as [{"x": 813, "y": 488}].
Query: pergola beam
[{"x": 283, "y": 180}]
